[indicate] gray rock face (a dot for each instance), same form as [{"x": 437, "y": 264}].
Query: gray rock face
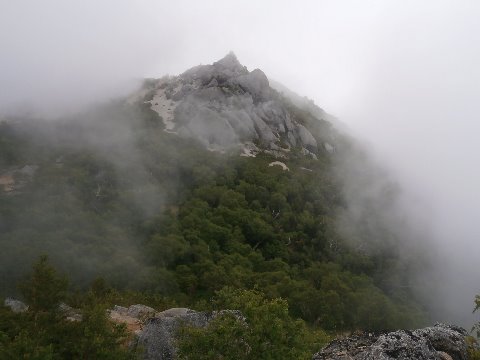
[
  {"x": 329, "y": 148},
  {"x": 255, "y": 83},
  {"x": 432, "y": 343},
  {"x": 224, "y": 106},
  {"x": 15, "y": 179},
  {"x": 70, "y": 313},
  {"x": 15, "y": 305},
  {"x": 140, "y": 311},
  {"x": 307, "y": 138},
  {"x": 157, "y": 337},
  {"x": 231, "y": 63}
]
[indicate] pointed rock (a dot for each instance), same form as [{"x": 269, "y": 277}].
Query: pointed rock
[{"x": 230, "y": 61}]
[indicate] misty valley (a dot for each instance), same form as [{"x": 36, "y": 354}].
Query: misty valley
[{"x": 209, "y": 215}]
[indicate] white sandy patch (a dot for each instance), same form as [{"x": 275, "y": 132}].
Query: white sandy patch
[
  {"x": 247, "y": 153},
  {"x": 165, "y": 108},
  {"x": 218, "y": 149},
  {"x": 249, "y": 150},
  {"x": 279, "y": 163}
]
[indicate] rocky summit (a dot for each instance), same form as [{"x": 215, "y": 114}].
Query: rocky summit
[
  {"x": 439, "y": 342},
  {"x": 223, "y": 105}
]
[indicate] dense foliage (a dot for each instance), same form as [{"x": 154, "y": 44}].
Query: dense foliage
[
  {"x": 263, "y": 331},
  {"x": 473, "y": 341},
  {"x": 44, "y": 330},
  {"x": 113, "y": 195}
]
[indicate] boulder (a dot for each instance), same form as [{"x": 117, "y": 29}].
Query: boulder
[
  {"x": 306, "y": 138},
  {"x": 229, "y": 62},
  {"x": 15, "y": 305},
  {"x": 329, "y": 148},
  {"x": 158, "y": 336},
  {"x": 256, "y": 83},
  {"x": 70, "y": 313},
  {"x": 449, "y": 339},
  {"x": 119, "y": 315},
  {"x": 140, "y": 311},
  {"x": 120, "y": 309},
  {"x": 432, "y": 343},
  {"x": 174, "y": 312}
]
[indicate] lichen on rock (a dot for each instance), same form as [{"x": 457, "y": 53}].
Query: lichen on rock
[{"x": 432, "y": 343}]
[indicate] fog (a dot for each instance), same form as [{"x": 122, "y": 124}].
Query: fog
[{"x": 402, "y": 75}]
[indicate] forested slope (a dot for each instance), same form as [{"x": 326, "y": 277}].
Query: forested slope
[{"x": 115, "y": 196}]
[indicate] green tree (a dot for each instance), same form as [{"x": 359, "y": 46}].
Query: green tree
[
  {"x": 266, "y": 331},
  {"x": 44, "y": 332},
  {"x": 44, "y": 289},
  {"x": 472, "y": 341},
  {"x": 95, "y": 337}
]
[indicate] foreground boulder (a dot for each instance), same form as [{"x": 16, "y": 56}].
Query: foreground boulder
[
  {"x": 154, "y": 335},
  {"x": 158, "y": 336},
  {"x": 439, "y": 342},
  {"x": 133, "y": 317}
]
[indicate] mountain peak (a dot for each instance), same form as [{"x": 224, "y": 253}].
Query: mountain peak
[
  {"x": 230, "y": 61},
  {"x": 225, "y": 106}
]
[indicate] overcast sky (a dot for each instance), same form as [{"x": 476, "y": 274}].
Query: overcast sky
[{"x": 404, "y": 75}]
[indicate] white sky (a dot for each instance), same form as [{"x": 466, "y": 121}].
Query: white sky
[{"x": 404, "y": 75}]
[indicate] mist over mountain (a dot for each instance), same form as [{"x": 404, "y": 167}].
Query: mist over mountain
[
  {"x": 209, "y": 179},
  {"x": 116, "y": 191},
  {"x": 331, "y": 164}
]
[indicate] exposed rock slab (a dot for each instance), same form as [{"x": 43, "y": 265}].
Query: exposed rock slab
[
  {"x": 15, "y": 305},
  {"x": 432, "y": 343},
  {"x": 133, "y": 317},
  {"x": 140, "y": 311},
  {"x": 70, "y": 313}
]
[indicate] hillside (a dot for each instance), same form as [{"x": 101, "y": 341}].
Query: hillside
[{"x": 203, "y": 181}]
